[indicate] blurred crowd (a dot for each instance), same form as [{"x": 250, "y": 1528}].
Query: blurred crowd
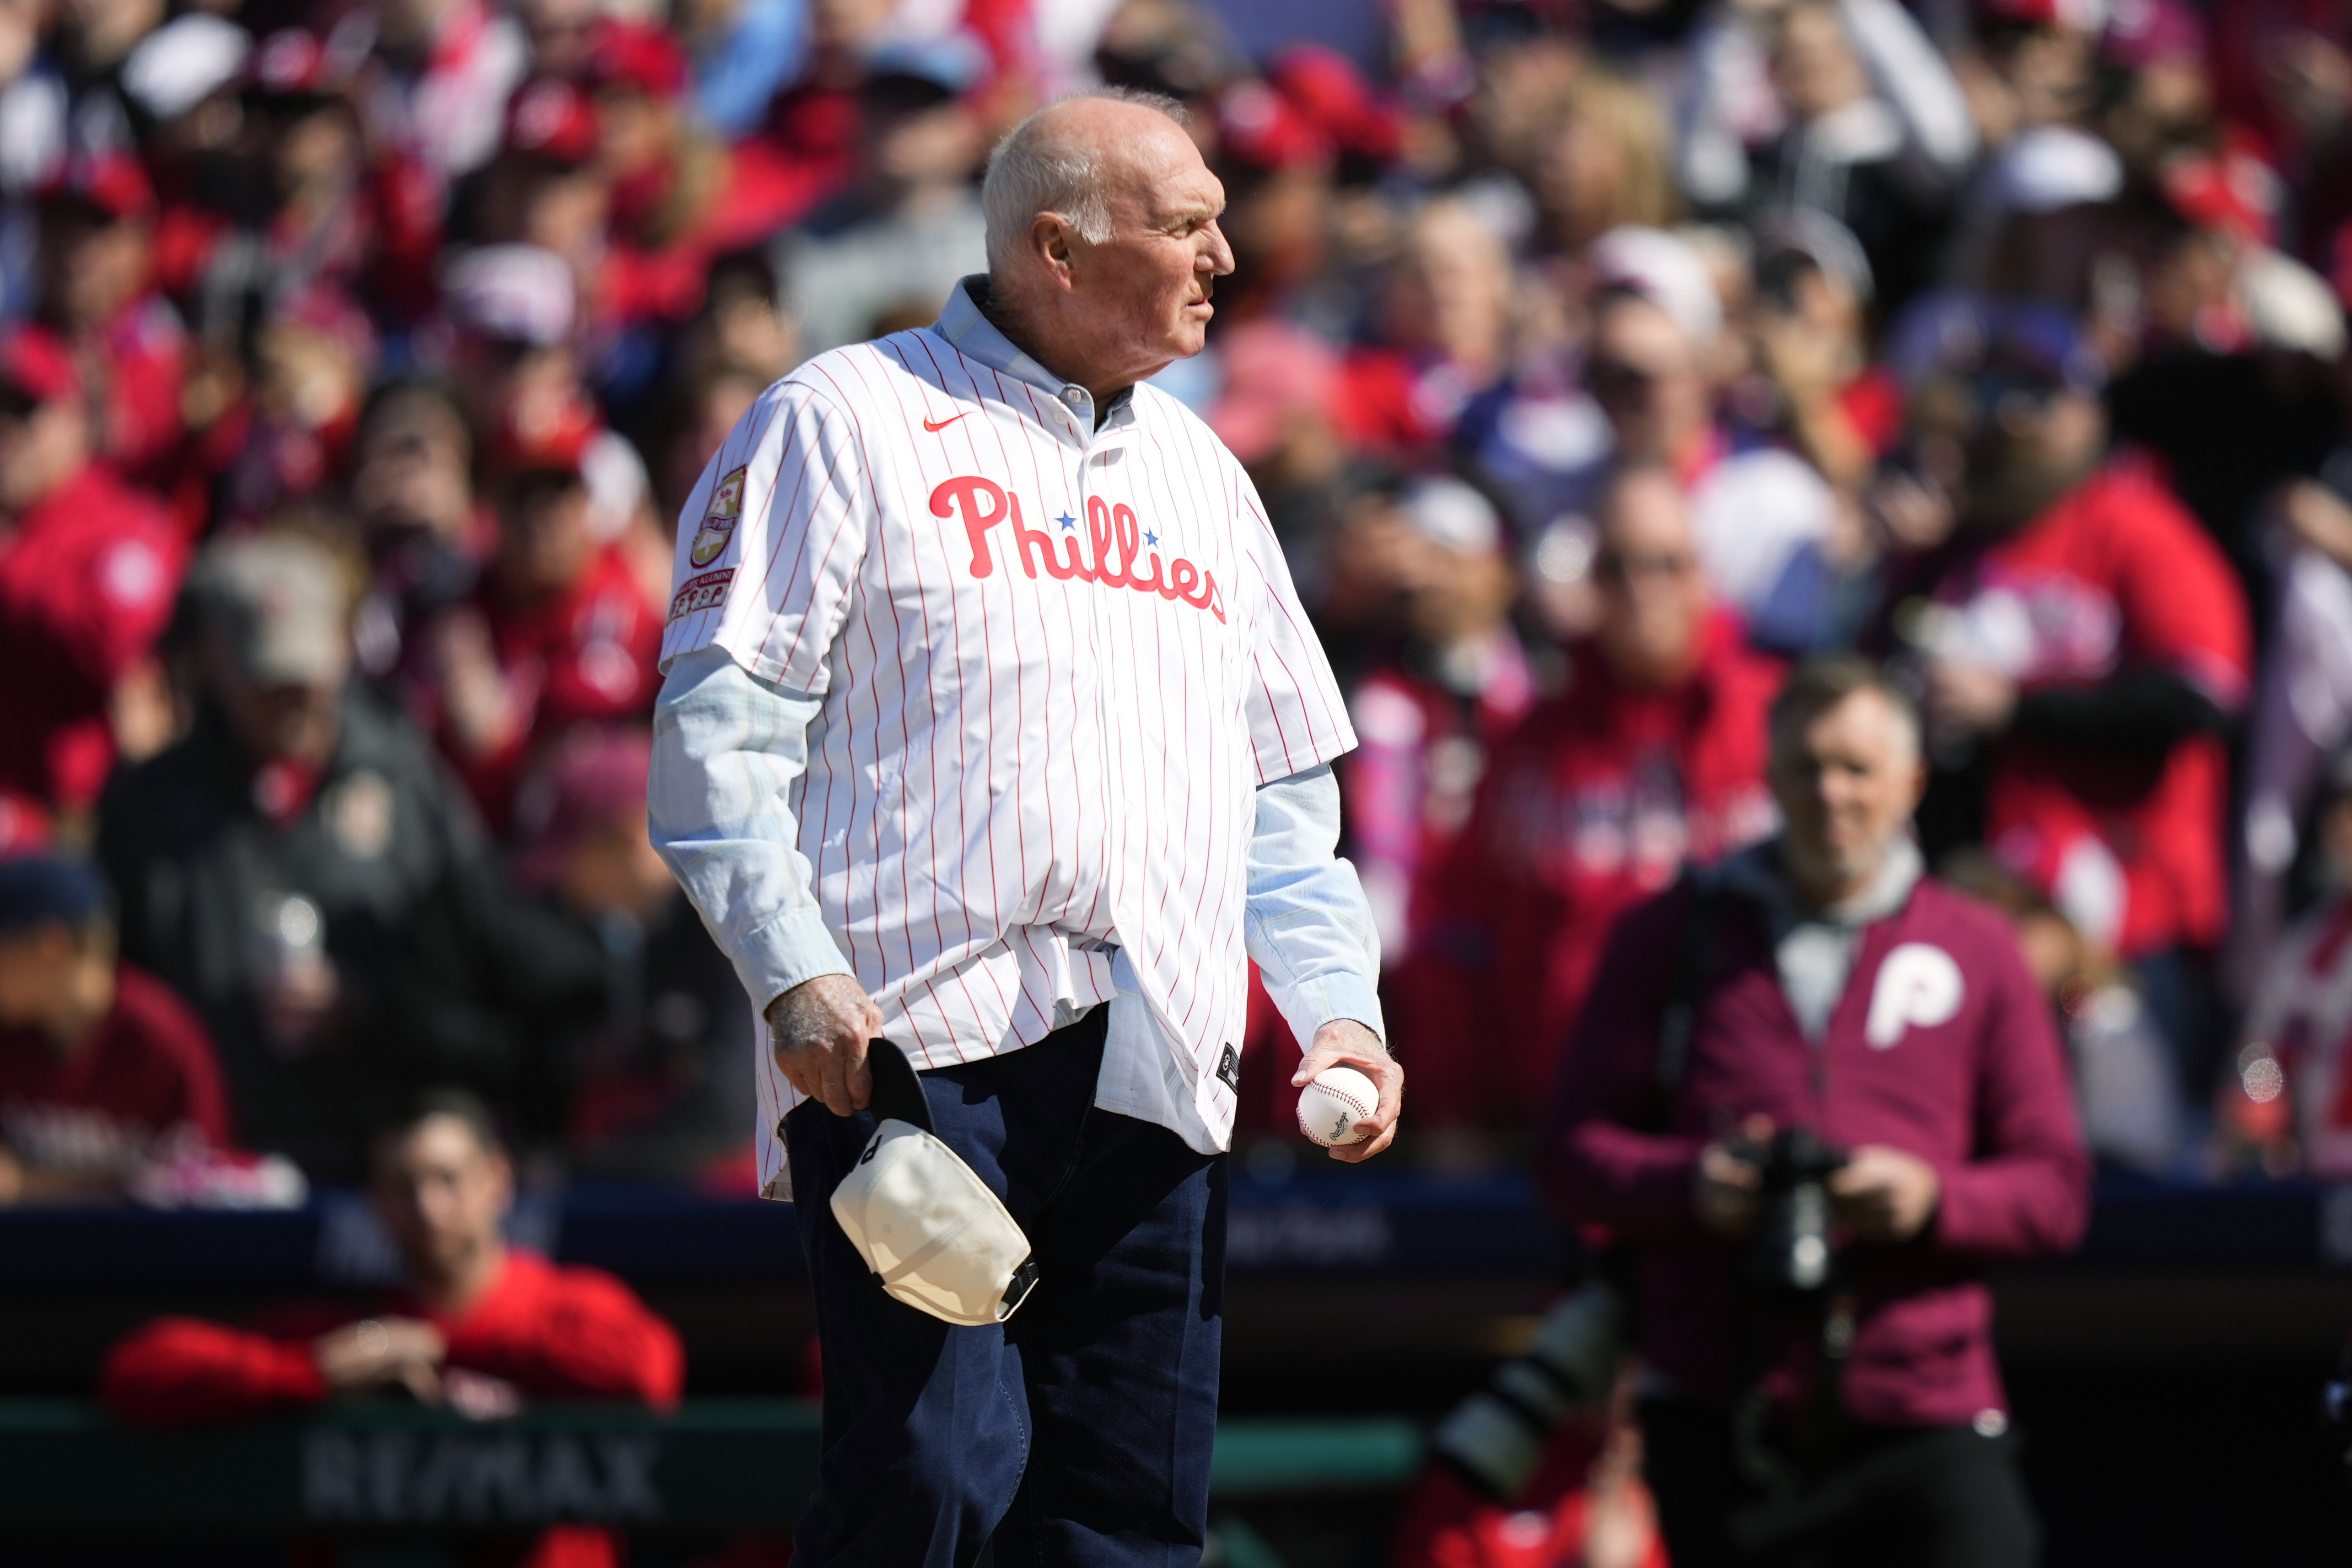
[{"x": 1594, "y": 358}]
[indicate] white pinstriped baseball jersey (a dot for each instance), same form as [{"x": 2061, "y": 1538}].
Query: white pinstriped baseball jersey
[{"x": 1054, "y": 664}]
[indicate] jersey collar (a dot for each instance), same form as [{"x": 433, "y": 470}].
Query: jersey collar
[{"x": 970, "y": 332}]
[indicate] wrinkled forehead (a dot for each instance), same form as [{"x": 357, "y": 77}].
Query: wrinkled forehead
[{"x": 1159, "y": 175}]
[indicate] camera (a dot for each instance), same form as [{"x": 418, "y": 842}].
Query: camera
[
  {"x": 1496, "y": 1436},
  {"x": 1789, "y": 1251}
]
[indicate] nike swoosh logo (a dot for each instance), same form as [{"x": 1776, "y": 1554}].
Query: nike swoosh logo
[{"x": 942, "y": 424}]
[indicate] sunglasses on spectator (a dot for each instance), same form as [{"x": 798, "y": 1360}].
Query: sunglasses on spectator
[
  {"x": 2011, "y": 395},
  {"x": 1616, "y": 567},
  {"x": 1616, "y": 378}
]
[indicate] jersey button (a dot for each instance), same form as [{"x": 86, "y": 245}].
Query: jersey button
[{"x": 1074, "y": 395}]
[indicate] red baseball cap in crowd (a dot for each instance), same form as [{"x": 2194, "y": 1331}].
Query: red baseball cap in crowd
[
  {"x": 1325, "y": 86},
  {"x": 551, "y": 119},
  {"x": 1260, "y": 128},
  {"x": 544, "y": 439},
  {"x": 110, "y": 183},
  {"x": 36, "y": 367},
  {"x": 2062, "y": 15},
  {"x": 2232, "y": 191},
  {"x": 631, "y": 55},
  {"x": 295, "y": 63},
  {"x": 328, "y": 313},
  {"x": 596, "y": 778},
  {"x": 2145, "y": 32}
]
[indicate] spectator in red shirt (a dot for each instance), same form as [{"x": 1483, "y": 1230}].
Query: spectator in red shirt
[
  {"x": 97, "y": 220},
  {"x": 99, "y": 1063},
  {"x": 679, "y": 198},
  {"x": 1653, "y": 755},
  {"x": 560, "y": 633},
  {"x": 2088, "y": 649},
  {"x": 480, "y": 1327},
  {"x": 88, "y": 570},
  {"x": 1445, "y": 318}
]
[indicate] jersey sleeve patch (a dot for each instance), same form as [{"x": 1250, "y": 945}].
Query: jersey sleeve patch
[
  {"x": 699, "y": 593},
  {"x": 718, "y": 521}
]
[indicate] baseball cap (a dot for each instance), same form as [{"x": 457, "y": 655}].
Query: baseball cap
[
  {"x": 296, "y": 66},
  {"x": 517, "y": 292},
  {"x": 2141, "y": 33},
  {"x": 634, "y": 55},
  {"x": 1963, "y": 335},
  {"x": 184, "y": 62},
  {"x": 277, "y": 603},
  {"x": 936, "y": 69},
  {"x": 2231, "y": 190},
  {"x": 1445, "y": 511},
  {"x": 324, "y": 311},
  {"x": 1664, "y": 269},
  {"x": 597, "y": 777},
  {"x": 38, "y": 888},
  {"x": 2049, "y": 168},
  {"x": 1325, "y": 86},
  {"x": 2067, "y": 15},
  {"x": 934, "y": 1235},
  {"x": 551, "y": 119},
  {"x": 36, "y": 368},
  {"x": 1262, "y": 129},
  {"x": 544, "y": 439},
  {"x": 1809, "y": 234},
  {"x": 108, "y": 182}
]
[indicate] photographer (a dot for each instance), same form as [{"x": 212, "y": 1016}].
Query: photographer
[{"x": 1820, "y": 1094}]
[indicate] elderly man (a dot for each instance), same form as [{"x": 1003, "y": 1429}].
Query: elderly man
[
  {"x": 993, "y": 726},
  {"x": 1824, "y": 1385}
]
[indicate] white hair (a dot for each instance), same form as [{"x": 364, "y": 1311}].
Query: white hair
[{"x": 1033, "y": 171}]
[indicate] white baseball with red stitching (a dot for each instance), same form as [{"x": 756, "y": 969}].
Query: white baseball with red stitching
[{"x": 1332, "y": 1108}]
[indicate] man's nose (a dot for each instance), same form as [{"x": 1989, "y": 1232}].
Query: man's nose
[{"x": 1218, "y": 259}]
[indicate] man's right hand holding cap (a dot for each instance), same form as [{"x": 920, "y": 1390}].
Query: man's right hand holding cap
[{"x": 821, "y": 1028}]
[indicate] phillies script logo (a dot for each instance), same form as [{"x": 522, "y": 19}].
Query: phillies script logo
[{"x": 1112, "y": 531}]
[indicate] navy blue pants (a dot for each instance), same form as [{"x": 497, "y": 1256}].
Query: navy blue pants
[{"x": 1078, "y": 1433}]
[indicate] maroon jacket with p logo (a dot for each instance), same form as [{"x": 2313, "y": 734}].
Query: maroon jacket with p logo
[{"x": 1941, "y": 1046}]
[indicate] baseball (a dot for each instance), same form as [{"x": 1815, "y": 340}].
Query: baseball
[{"x": 1331, "y": 1107}]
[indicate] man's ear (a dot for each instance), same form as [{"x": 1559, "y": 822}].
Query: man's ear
[{"x": 1050, "y": 242}]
